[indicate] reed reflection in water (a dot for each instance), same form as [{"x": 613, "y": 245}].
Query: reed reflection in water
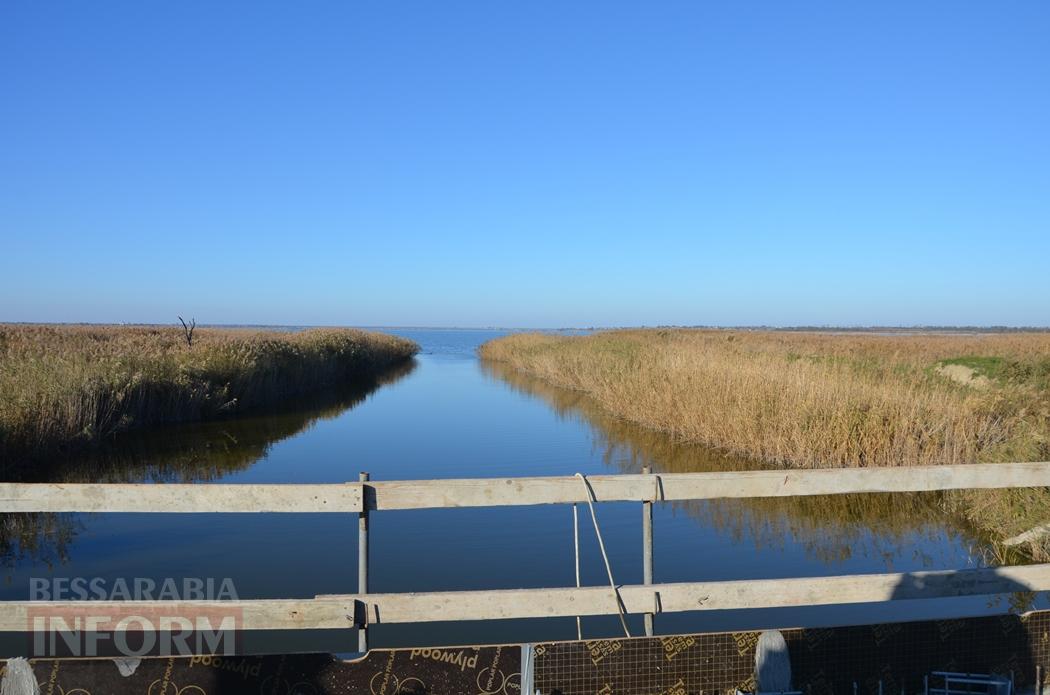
[
  {"x": 184, "y": 453},
  {"x": 455, "y": 417},
  {"x": 832, "y": 528}
]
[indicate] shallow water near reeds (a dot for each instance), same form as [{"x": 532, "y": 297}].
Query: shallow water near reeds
[{"x": 450, "y": 415}]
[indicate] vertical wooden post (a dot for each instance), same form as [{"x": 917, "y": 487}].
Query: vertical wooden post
[
  {"x": 647, "y": 552},
  {"x": 362, "y": 564}
]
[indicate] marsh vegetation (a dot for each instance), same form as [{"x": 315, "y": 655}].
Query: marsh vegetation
[
  {"x": 808, "y": 399},
  {"x": 823, "y": 400},
  {"x": 65, "y": 387},
  {"x": 185, "y": 453}
]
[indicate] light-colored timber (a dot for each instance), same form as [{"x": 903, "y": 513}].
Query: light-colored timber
[
  {"x": 260, "y": 614},
  {"x": 168, "y": 498},
  {"x": 337, "y": 611},
  {"x": 700, "y": 596},
  {"x": 347, "y": 611},
  {"x": 499, "y": 492},
  {"x": 490, "y": 492}
]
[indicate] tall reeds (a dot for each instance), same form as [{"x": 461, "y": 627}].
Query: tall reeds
[
  {"x": 812, "y": 399},
  {"x": 825, "y": 400},
  {"x": 66, "y": 386}
]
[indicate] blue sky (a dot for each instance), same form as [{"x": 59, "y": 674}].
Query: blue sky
[{"x": 526, "y": 164}]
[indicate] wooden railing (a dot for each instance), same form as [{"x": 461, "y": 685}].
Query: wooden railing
[
  {"x": 365, "y": 496},
  {"x": 389, "y": 495}
]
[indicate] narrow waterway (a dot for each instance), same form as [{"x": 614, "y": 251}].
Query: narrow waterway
[{"x": 449, "y": 415}]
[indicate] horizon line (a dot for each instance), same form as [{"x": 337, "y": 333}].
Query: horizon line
[{"x": 769, "y": 327}]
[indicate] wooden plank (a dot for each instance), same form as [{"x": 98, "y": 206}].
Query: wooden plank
[
  {"x": 337, "y": 611},
  {"x": 492, "y": 492},
  {"x": 152, "y": 497},
  {"x": 698, "y": 596},
  {"x": 270, "y": 614}
]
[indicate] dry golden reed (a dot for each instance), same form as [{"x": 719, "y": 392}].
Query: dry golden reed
[
  {"x": 63, "y": 386},
  {"x": 812, "y": 399}
]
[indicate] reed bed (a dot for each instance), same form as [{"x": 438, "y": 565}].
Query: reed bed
[
  {"x": 831, "y": 528},
  {"x": 62, "y": 387},
  {"x": 825, "y": 400},
  {"x": 812, "y": 399}
]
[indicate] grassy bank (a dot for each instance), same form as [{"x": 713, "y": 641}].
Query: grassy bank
[
  {"x": 822, "y": 400},
  {"x": 807, "y": 399},
  {"x": 63, "y": 387}
]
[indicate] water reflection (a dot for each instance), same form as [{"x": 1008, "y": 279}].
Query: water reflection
[
  {"x": 44, "y": 539},
  {"x": 450, "y": 419},
  {"x": 832, "y": 528},
  {"x": 193, "y": 452}
]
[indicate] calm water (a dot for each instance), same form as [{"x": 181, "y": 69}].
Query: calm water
[{"x": 449, "y": 415}]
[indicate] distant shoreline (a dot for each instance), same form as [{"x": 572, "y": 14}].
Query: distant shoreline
[{"x": 932, "y": 329}]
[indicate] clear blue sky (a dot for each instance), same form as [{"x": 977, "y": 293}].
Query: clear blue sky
[{"x": 526, "y": 163}]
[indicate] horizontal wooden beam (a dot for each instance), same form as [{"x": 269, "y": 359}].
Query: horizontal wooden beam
[
  {"x": 492, "y": 492},
  {"x": 700, "y": 596},
  {"x": 496, "y": 492},
  {"x": 338, "y": 611},
  {"x": 262, "y": 614},
  {"x": 154, "y": 497}
]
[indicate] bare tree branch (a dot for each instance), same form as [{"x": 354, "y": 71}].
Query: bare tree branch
[{"x": 188, "y": 330}]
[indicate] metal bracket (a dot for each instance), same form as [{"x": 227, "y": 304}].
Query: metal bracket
[
  {"x": 360, "y": 614},
  {"x": 657, "y": 492}
]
